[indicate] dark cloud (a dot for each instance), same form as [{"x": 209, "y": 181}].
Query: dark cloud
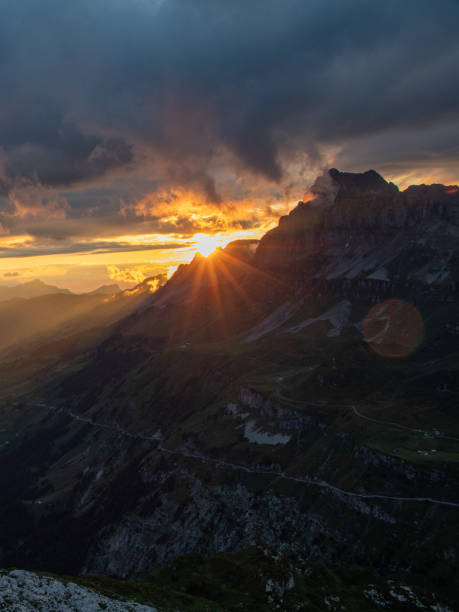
[
  {"x": 63, "y": 158},
  {"x": 86, "y": 247},
  {"x": 397, "y": 149},
  {"x": 92, "y": 87}
]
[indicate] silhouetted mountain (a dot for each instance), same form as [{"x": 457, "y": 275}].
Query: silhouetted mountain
[
  {"x": 31, "y": 289},
  {"x": 28, "y": 324},
  {"x": 303, "y": 396},
  {"x": 105, "y": 289}
]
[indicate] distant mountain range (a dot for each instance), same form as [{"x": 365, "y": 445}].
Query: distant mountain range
[
  {"x": 299, "y": 393},
  {"x": 31, "y": 289},
  {"x": 105, "y": 289},
  {"x": 37, "y": 288}
]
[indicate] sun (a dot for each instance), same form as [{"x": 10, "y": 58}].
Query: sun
[{"x": 206, "y": 244}]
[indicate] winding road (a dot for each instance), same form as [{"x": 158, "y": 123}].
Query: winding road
[
  {"x": 435, "y": 433},
  {"x": 260, "y": 471}
]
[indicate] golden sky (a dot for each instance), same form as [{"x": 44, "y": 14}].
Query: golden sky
[
  {"x": 144, "y": 235},
  {"x": 41, "y": 237},
  {"x": 130, "y": 130},
  {"x": 81, "y": 272}
]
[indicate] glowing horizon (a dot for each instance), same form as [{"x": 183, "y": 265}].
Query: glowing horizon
[
  {"x": 84, "y": 263},
  {"x": 85, "y": 271}
]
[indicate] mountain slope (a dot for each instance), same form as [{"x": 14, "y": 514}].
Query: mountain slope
[{"x": 281, "y": 397}]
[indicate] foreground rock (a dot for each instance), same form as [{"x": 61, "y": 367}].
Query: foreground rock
[{"x": 23, "y": 591}]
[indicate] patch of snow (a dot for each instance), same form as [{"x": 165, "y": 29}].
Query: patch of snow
[
  {"x": 24, "y": 591},
  {"x": 352, "y": 266},
  {"x": 258, "y": 436},
  {"x": 380, "y": 274},
  {"x": 338, "y": 317},
  {"x": 274, "y": 321}
]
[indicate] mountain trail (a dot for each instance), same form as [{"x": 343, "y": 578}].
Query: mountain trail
[{"x": 262, "y": 472}]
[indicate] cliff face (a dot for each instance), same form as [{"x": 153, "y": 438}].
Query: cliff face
[{"x": 360, "y": 226}]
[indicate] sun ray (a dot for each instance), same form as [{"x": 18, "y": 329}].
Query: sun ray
[
  {"x": 191, "y": 303},
  {"x": 215, "y": 283},
  {"x": 265, "y": 276},
  {"x": 225, "y": 270}
]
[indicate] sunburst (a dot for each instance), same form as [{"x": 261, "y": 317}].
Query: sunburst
[{"x": 206, "y": 244}]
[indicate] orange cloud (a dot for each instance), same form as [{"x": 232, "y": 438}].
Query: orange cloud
[
  {"x": 128, "y": 275},
  {"x": 184, "y": 212},
  {"x": 33, "y": 200}
]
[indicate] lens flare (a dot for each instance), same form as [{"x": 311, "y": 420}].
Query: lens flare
[{"x": 393, "y": 328}]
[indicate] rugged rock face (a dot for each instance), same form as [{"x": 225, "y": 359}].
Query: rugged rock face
[
  {"x": 26, "y": 591},
  {"x": 360, "y": 226}
]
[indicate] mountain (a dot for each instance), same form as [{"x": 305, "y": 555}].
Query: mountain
[
  {"x": 105, "y": 289},
  {"x": 38, "y": 335},
  {"x": 31, "y": 289},
  {"x": 358, "y": 227},
  {"x": 301, "y": 395}
]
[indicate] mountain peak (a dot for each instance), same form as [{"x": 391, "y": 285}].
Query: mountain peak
[
  {"x": 35, "y": 282},
  {"x": 347, "y": 219},
  {"x": 105, "y": 289},
  {"x": 361, "y": 182}
]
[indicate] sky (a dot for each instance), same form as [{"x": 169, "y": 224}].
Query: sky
[{"x": 135, "y": 132}]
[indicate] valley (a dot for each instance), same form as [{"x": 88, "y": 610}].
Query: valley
[{"x": 288, "y": 399}]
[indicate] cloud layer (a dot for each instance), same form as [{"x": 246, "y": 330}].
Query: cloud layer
[{"x": 113, "y": 115}]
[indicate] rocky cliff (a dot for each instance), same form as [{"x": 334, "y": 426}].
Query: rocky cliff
[{"x": 359, "y": 226}]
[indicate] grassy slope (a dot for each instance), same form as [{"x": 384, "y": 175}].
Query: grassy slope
[{"x": 257, "y": 579}]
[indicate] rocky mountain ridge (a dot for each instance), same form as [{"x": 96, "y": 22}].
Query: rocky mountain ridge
[
  {"x": 30, "y": 289},
  {"x": 360, "y": 226}
]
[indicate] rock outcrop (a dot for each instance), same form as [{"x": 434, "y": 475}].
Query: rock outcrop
[{"x": 360, "y": 226}]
